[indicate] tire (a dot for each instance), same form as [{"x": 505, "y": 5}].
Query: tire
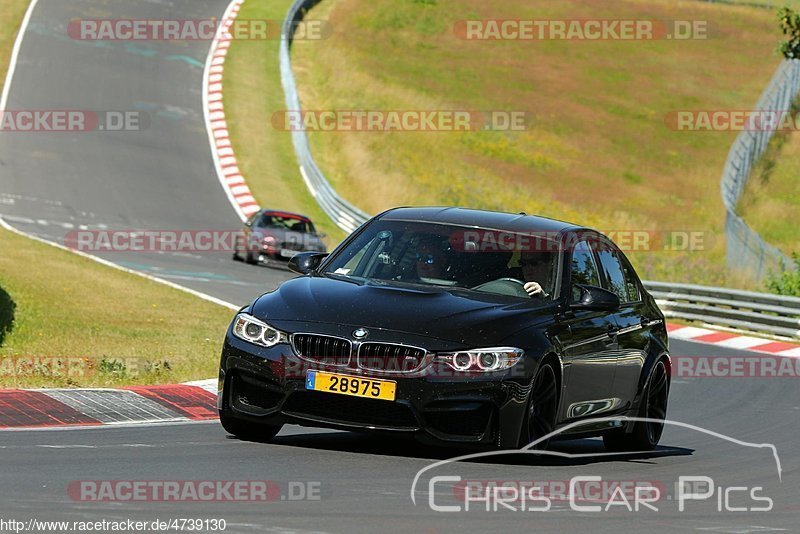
[
  {"x": 249, "y": 258},
  {"x": 645, "y": 434},
  {"x": 540, "y": 413},
  {"x": 246, "y": 430},
  {"x": 236, "y": 256}
]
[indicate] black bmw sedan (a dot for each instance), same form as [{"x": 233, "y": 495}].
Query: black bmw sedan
[{"x": 454, "y": 325}]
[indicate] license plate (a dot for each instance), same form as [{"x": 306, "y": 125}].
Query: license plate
[
  {"x": 288, "y": 253},
  {"x": 355, "y": 386}
]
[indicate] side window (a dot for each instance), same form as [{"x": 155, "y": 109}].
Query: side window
[
  {"x": 631, "y": 280},
  {"x": 619, "y": 275},
  {"x": 583, "y": 268},
  {"x": 612, "y": 271}
]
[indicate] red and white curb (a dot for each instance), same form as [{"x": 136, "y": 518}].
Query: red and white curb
[
  {"x": 733, "y": 341},
  {"x": 228, "y": 172},
  {"x": 43, "y": 408}
]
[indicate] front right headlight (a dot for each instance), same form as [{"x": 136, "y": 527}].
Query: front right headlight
[
  {"x": 482, "y": 360},
  {"x": 248, "y": 328}
]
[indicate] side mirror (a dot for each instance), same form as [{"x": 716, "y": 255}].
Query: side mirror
[
  {"x": 305, "y": 262},
  {"x": 593, "y": 298}
]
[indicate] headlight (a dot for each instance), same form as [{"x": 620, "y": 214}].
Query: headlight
[
  {"x": 486, "y": 360},
  {"x": 252, "y": 330}
]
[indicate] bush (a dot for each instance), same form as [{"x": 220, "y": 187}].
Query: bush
[{"x": 787, "y": 282}]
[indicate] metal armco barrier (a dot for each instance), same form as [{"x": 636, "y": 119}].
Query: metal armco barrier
[
  {"x": 345, "y": 215},
  {"x": 775, "y": 315}
]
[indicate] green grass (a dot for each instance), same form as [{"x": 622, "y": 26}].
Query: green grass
[
  {"x": 68, "y": 321},
  {"x": 253, "y": 94},
  {"x": 108, "y": 326},
  {"x": 11, "y": 13},
  {"x": 597, "y": 151}
]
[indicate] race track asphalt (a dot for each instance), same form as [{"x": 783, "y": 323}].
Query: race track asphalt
[
  {"x": 163, "y": 178},
  {"x": 159, "y": 178}
]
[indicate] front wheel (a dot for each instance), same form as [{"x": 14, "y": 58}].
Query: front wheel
[
  {"x": 245, "y": 430},
  {"x": 540, "y": 416},
  {"x": 653, "y": 408}
]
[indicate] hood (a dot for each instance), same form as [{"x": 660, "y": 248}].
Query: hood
[{"x": 474, "y": 319}]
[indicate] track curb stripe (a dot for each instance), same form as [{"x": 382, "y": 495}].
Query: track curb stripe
[
  {"x": 731, "y": 340},
  {"x": 21, "y": 408},
  {"x": 95, "y": 406},
  {"x": 238, "y": 192}
]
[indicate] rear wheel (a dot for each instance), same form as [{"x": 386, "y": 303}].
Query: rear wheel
[
  {"x": 645, "y": 434},
  {"x": 246, "y": 430},
  {"x": 540, "y": 417}
]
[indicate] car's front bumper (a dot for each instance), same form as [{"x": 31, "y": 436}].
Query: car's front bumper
[{"x": 267, "y": 385}]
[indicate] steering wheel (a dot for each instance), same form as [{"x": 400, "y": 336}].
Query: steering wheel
[{"x": 504, "y": 286}]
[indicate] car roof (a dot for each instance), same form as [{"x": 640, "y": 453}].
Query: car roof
[{"x": 475, "y": 218}]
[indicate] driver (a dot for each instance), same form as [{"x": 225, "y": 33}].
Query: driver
[
  {"x": 536, "y": 271},
  {"x": 431, "y": 260}
]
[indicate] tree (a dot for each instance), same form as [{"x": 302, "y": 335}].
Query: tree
[{"x": 789, "y": 22}]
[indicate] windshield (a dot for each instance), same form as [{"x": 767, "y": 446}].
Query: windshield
[
  {"x": 285, "y": 222},
  {"x": 489, "y": 261}
]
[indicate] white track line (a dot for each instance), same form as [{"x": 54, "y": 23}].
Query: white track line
[
  {"x": 107, "y": 263},
  {"x": 12, "y": 64},
  {"x": 12, "y": 67}
]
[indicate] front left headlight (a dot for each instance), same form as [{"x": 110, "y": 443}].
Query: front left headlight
[
  {"x": 483, "y": 360},
  {"x": 248, "y": 328}
]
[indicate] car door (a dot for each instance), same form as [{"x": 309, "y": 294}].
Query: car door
[
  {"x": 631, "y": 321},
  {"x": 588, "y": 345}
]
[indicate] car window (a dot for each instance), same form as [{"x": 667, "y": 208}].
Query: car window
[
  {"x": 612, "y": 272},
  {"x": 430, "y": 254},
  {"x": 584, "y": 270},
  {"x": 620, "y": 277},
  {"x": 270, "y": 220},
  {"x": 631, "y": 279}
]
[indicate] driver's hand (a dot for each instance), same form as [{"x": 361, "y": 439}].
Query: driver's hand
[{"x": 534, "y": 289}]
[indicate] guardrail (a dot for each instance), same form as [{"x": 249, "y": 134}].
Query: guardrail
[
  {"x": 775, "y": 315},
  {"x": 345, "y": 215}
]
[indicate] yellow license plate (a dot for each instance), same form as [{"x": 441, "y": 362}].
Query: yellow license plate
[{"x": 354, "y": 386}]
